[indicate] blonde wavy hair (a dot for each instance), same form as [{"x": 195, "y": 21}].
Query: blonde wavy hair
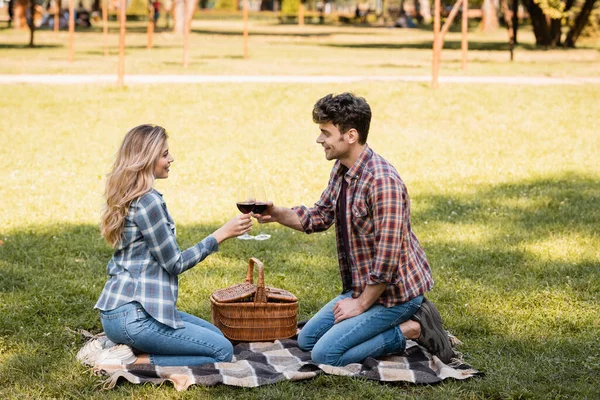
[{"x": 132, "y": 175}]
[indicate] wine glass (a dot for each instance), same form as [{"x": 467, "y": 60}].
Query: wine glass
[
  {"x": 260, "y": 206},
  {"x": 245, "y": 204}
]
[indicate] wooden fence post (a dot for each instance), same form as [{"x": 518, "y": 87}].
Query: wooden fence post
[{"x": 121, "y": 64}]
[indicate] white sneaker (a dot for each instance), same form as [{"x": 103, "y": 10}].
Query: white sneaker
[
  {"x": 117, "y": 355},
  {"x": 91, "y": 350}
]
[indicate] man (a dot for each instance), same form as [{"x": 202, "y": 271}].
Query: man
[{"x": 383, "y": 267}]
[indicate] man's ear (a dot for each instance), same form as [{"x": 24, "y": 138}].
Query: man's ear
[{"x": 352, "y": 136}]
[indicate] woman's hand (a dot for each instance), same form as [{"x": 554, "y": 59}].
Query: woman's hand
[{"x": 237, "y": 226}]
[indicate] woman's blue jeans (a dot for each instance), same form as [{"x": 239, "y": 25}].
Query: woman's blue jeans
[
  {"x": 197, "y": 343},
  {"x": 373, "y": 333}
]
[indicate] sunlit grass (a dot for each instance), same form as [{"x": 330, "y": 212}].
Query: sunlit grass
[
  {"x": 216, "y": 47},
  {"x": 504, "y": 183}
]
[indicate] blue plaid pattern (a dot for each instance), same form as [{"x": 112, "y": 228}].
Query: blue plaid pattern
[
  {"x": 383, "y": 247},
  {"x": 145, "y": 265}
]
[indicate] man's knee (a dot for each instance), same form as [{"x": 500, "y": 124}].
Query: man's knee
[
  {"x": 324, "y": 353},
  {"x": 304, "y": 343}
]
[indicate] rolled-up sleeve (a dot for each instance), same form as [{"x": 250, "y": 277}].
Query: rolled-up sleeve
[
  {"x": 321, "y": 216},
  {"x": 151, "y": 219},
  {"x": 387, "y": 199}
]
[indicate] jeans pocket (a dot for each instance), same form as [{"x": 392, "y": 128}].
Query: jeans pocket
[
  {"x": 122, "y": 327},
  {"x": 114, "y": 327},
  {"x": 135, "y": 323}
]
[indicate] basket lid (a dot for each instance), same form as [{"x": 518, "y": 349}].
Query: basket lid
[
  {"x": 248, "y": 291},
  {"x": 279, "y": 295},
  {"x": 234, "y": 293}
]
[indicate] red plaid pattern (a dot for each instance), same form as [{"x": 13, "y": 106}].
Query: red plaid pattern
[{"x": 383, "y": 248}]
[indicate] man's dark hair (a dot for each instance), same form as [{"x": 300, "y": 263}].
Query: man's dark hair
[{"x": 345, "y": 111}]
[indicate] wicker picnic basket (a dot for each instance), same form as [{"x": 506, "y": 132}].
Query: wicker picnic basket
[{"x": 254, "y": 313}]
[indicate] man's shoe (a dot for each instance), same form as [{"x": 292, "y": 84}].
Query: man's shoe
[
  {"x": 433, "y": 336},
  {"x": 117, "y": 355}
]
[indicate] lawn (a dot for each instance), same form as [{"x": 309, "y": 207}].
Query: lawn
[
  {"x": 504, "y": 183},
  {"x": 216, "y": 47}
]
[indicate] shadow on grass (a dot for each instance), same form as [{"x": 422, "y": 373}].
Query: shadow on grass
[
  {"x": 259, "y": 33},
  {"x": 52, "y": 276},
  {"x": 427, "y": 45},
  {"x": 25, "y": 46}
]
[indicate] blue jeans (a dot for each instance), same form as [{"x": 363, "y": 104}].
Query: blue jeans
[
  {"x": 197, "y": 343},
  {"x": 373, "y": 333}
]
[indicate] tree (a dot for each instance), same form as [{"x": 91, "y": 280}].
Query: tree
[
  {"x": 580, "y": 22},
  {"x": 424, "y": 9},
  {"x": 20, "y": 11},
  {"x": 547, "y": 16},
  {"x": 31, "y": 22},
  {"x": 490, "y": 16},
  {"x": 179, "y": 12}
]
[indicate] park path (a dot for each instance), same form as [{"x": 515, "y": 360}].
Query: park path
[{"x": 308, "y": 79}]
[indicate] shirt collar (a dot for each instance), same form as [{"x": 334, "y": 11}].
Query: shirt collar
[{"x": 360, "y": 163}]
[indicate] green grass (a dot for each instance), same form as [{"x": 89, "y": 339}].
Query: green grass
[
  {"x": 216, "y": 47},
  {"x": 504, "y": 183}
]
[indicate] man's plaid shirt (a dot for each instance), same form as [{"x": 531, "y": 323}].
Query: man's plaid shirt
[
  {"x": 146, "y": 263},
  {"x": 383, "y": 248}
]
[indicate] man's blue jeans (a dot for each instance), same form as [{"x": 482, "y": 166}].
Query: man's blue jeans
[
  {"x": 199, "y": 342},
  {"x": 371, "y": 334}
]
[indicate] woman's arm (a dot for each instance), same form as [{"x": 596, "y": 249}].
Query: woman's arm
[{"x": 151, "y": 218}]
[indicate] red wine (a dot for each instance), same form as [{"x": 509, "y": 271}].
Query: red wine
[
  {"x": 259, "y": 208},
  {"x": 245, "y": 207}
]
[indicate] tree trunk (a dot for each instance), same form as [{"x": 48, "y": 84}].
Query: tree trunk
[
  {"x": 547, "y": 31},
  {"x": 20, "y": 12},
  {"x": 31, "y": 22},
  {"x": 425, "y": 10},
  {"x": 515, "y": 19},
  {"x": 490, "y": 16},
  {"x": 57, "y": 15},
  {"x": 178, "y": 7},
  {"x": 555, "y": 32},
  {"x": 509, "y": 27},
  {"x": 580, "y": 22},
  {"x": 385, "y": 13}
]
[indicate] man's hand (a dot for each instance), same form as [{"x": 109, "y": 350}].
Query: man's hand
[
  {"x": 351, "y": 307},
  {"x": 267, "y": 215},
  {"x": 346, "y": 308},
  {"x": 284, "y": 216}
]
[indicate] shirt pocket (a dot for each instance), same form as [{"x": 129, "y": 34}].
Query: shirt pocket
[{"x": 362, "y": 222}]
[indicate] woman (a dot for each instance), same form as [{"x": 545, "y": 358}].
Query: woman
[{"x": 138, "y": 302}]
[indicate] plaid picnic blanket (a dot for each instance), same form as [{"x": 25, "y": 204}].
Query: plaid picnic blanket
[{"x": 257, "y": 364}]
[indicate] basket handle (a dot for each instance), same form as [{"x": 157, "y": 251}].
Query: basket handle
[{"x": 260, "y": 296}]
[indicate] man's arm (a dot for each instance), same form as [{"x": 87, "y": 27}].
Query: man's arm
[
  {"x": 348, "y": 308},
  {"x": 282, "y": 215}
]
